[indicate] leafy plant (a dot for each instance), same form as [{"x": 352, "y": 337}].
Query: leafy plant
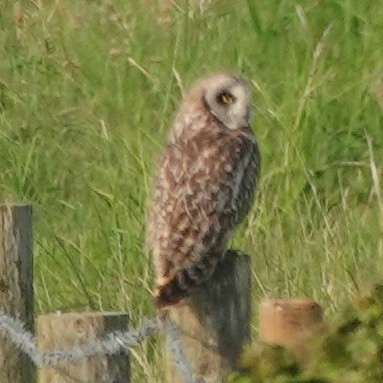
[{"x": 349, "y": 351}]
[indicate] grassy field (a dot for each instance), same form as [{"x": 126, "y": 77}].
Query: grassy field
[{"x": 88, "y": 90}]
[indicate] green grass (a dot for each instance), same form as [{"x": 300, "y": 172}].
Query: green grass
[{"x": 88, "y": 90}]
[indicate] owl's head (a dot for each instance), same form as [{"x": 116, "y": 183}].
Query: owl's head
[{"x": 227, "y": 97}]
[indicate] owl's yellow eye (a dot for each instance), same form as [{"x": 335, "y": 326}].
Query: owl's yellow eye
[{"x": 225, "y": 98}]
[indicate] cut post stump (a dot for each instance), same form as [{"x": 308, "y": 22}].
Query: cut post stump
[
  {"x": 69, "y": 330},
  {"x": 215, "y": 321},
  {"x": 16, "y": 286},
  {"x": 289, "y": 322}
]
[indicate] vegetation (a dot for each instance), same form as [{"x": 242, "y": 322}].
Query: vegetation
[
  {"x": 88, "y": 90},
  {"x": 350, "y": 351}
]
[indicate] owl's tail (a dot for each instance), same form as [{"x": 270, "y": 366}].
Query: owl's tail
[{"x": 184, "y": 281}]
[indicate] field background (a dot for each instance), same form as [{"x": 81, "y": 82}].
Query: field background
[{"x": 88, "y": 90}]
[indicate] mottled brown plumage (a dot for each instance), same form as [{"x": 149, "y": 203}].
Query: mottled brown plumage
[{"x": 204, "y": 185}]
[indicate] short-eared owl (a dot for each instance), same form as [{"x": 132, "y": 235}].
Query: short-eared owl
[{"x": 204, "y": 185}]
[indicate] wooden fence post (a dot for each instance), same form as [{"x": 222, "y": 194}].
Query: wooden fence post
[
  {"x": 16, "y": 286},
  {"x": 289, "y": 322},
  {"x": 75, "y": 329},
  {"x": 215, "y": 321}
]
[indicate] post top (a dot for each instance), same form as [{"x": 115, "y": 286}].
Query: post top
[{"x": 85, "y": 314}]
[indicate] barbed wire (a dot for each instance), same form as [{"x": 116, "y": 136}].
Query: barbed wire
[{"x": 14, "y": 331}]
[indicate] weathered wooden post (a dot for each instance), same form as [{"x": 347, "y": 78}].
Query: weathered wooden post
[
  {"x": 215, "y": 321},
  {"x": 75, "y": 329},
  {"x": 16, "y": 286},
  {"x": 289, "y": 322}
]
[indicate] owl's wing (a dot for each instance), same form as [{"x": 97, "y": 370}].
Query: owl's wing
[{"x": 202, "y": 192}]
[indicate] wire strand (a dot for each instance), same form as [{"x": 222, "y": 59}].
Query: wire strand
[{"x": 14, "y": 331}]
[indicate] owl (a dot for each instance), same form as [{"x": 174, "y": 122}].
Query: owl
[{"x": 204, "y": 185}]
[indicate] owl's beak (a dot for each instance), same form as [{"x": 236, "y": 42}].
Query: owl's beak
[
  {"x": 238, "y": 121},
  {"x": 242, "y": 119},
  {"x": 243, "y": 124}
]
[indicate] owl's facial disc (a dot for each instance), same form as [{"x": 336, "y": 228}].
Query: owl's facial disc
[{"x": 228, "y": 99}]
